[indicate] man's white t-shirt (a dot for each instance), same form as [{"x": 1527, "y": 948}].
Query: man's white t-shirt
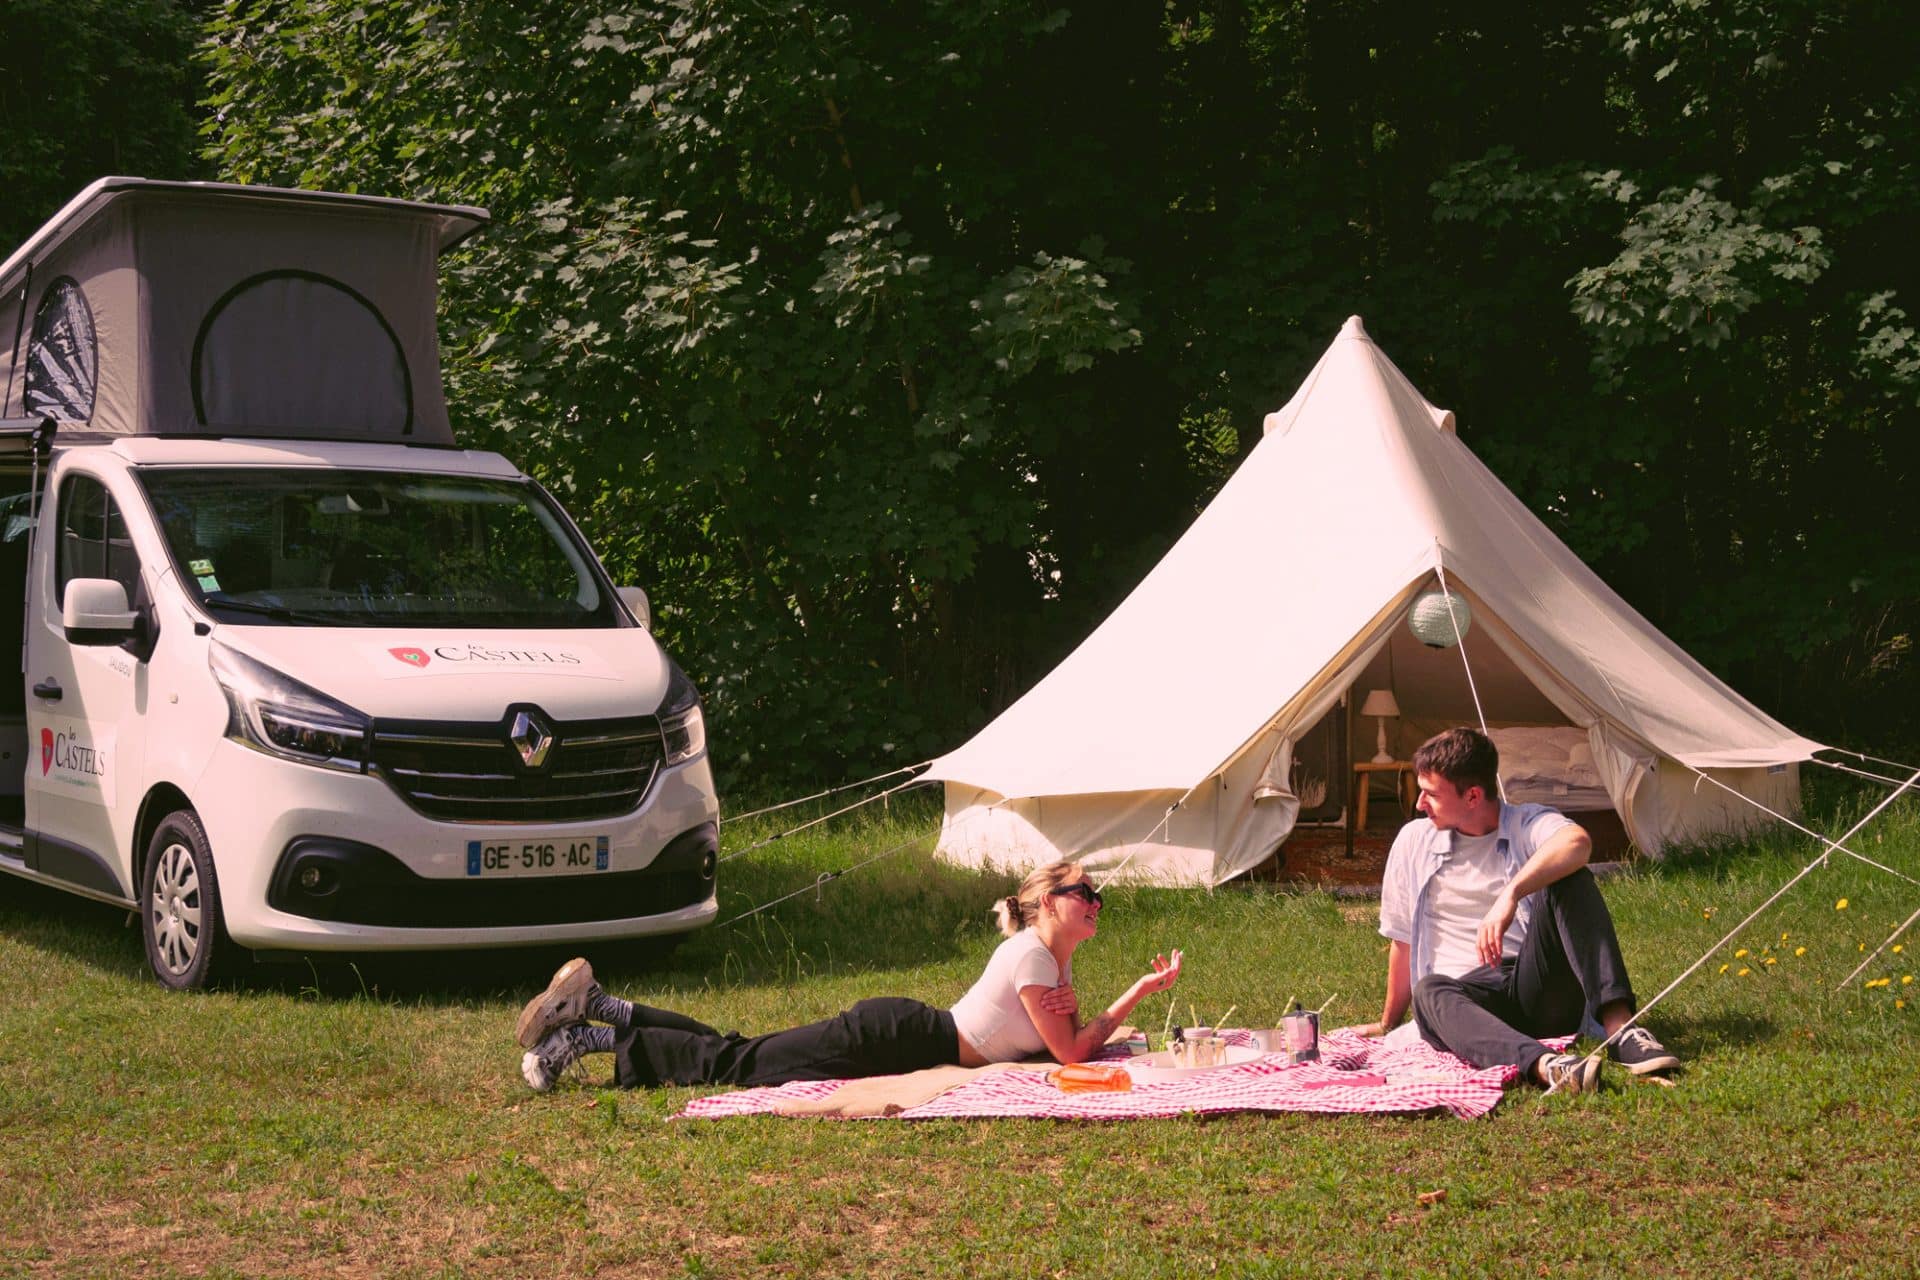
[
  {"x": 1460, "y": 895},
  {"x": 991, "y": 1017}
]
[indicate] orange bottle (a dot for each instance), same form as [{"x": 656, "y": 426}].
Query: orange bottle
[{"x": 1091, "y": 1077}]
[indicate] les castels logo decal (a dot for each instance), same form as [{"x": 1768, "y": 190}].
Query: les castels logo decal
[
  {"x": 411, "y": 656},
  {"x": 46, "y": 751}
]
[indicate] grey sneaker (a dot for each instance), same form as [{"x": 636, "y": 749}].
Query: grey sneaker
[
  {"x": 1640, "y": 1053},
  {"x": 544, "y": 1064},
  {"x": 1565, "y": 1073},
  {"x": 562, "y": 1004}
]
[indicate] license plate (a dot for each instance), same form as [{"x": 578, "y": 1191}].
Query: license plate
[{"x": 501, "y": 858}]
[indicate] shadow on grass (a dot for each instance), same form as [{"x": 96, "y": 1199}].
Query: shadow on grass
[
  {"x": 1694, "y": 1038},
  {"x": 904, "y": 911},
  {"x": 98, "y": 935},
  {"x": 105, "y": 940}
]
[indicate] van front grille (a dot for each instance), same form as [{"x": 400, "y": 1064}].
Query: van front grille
[{"x": 465, "y": 772}]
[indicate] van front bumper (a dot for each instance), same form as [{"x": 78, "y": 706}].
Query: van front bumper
[
  {"x": 342, "y": 863},
  {"x": 348, "y": 882}
]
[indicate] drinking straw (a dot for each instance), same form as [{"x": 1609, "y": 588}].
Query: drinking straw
[
  {"x": 1223, "y": 1017},
  {"x": 1167, "y": 1031},
  {"x": 1330, "y": 999}
]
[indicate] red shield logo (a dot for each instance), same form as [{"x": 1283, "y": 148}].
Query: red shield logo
[
  {"x": 412, "y": 657},
  {"x": 46, "y": 751}
]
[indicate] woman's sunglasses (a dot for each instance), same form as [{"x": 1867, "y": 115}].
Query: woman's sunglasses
[{"x": 1083, "y": 891}]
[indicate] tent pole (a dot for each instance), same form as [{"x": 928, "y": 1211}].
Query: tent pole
[{"x": 1346, "y": 767}]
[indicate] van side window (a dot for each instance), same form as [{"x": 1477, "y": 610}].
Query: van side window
[{"x": 93, "y": 539}]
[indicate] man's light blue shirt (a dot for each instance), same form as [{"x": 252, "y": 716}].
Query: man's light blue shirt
[{"x": 1421, "y": 849}]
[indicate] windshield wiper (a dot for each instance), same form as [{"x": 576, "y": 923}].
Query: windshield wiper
[{"x": 278, "y": 612}]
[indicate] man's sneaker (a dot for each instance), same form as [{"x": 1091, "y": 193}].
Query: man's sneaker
[
  {"x": 1640, "y": 1053},
  {"x": 562, "y": 1004},
  {"x": 1565, "y": 1073},
  {"x": 546, "y": 1062}
]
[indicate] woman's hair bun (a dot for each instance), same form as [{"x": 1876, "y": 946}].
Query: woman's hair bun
[{"x": 1007, "y": 912}]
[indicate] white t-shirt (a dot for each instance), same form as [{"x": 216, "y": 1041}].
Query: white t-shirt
[
  {"x": 1460, "y": 895},
  {"x": 991, "y": 1017}
]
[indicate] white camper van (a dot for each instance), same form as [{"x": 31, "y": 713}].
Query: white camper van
[{"x": 294, "y": 673}]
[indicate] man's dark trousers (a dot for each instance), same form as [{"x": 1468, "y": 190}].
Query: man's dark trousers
[{"x": 1569, "y": 959}]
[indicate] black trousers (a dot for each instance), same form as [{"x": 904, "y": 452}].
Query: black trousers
[
  {"x": 1569, "y": 959},
  {"x": 874, "y": 1038}
]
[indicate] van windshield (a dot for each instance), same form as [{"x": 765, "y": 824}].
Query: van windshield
[{"x": 307, "y": 547}]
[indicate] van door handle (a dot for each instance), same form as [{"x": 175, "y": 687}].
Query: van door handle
[{"x": 48, "y": 689}]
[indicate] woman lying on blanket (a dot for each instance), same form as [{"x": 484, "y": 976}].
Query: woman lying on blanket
[{"x": 1022, "y": 1006}]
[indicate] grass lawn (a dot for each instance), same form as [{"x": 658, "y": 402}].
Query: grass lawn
[{"x": 370, "y": 1120}]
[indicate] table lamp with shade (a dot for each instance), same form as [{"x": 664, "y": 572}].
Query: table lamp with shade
[{"x": 1380, "y": 703}]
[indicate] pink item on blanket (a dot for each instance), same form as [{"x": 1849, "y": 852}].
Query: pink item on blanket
[{"x": 1355, "y": 1075}]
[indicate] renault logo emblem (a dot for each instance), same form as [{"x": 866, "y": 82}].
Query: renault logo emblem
[{"x": 531, "y": 738}]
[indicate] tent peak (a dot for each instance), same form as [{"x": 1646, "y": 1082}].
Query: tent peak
[{"x": 1354, "y": 329}]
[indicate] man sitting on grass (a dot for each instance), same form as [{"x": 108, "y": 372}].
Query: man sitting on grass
[{"x": 1497, "y": 929}]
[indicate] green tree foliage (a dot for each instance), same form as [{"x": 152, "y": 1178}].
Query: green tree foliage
[
  {"x": 89, "y": 88},
  {"x": 889, "y": 344},
  {"x": 828, "y": 364},
  {"x": 1751, "y": 433}
]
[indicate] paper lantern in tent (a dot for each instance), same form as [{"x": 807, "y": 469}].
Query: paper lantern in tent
[{"x": 1435, "y": 614}]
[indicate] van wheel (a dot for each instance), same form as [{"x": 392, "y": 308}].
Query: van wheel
[{"x": 186, "y": 936}]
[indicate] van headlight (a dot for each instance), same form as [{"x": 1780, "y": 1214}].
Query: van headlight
[
  {"x": 682, "y": 724},
  {"x": 277, "y": 714}
]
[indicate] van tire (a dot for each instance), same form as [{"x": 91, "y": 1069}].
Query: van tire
[{"x": 180, "y": 917}]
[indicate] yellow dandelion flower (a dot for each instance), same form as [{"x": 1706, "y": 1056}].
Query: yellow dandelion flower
[
  {"x": 1899, "y": 1004},
  {"x": 1783, "y": 937},
  {"x": 1878, "y": 982},
  {"x": 1744, "y": 971},
  {"x": 1771, "y": 960},
  {"x": 1861, "y": 947},
  {"x": 1906, "y": 979},
  {"x": 1706, "y": 913},
  {"x": 1799, "y": 951},
  {"x": 1840, "y": 905},
  {"x": 1741, "y": 952},
  {"x": 1725, "y": 967},
  {"x": 1898, "y": 947}
]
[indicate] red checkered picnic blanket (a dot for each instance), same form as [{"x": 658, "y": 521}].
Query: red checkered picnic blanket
[{"x": 1354, "y": 1075}]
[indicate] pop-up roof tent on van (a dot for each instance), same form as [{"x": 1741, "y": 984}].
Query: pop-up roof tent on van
[{"x": 189, "y": 308}]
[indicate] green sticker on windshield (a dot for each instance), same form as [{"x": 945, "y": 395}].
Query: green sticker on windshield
[
  {"x": 200, "y": 568},
  {"x": 208, "y": 582}
]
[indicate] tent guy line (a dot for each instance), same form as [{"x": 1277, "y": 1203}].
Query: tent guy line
[
  {"x": 827, "y": 817},
  {"x": 1460, "y": 643},
  {"x": 1904, "y": 926},
  {"x": 822, "y": 880},
  {"x": 1809, "y": 831},
  {"x": 1860, "y": 755},
  {"x": 821, "y": 795},
  {"x": 1859, "y": 773},
  {"x": 1734, "y": 932}
]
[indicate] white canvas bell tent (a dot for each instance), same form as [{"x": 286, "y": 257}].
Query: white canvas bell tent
[
  {"x": 202, "y": 308},
  {"x": 1290, "y": 590}
]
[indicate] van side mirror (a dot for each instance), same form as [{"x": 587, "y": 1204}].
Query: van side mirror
[
  {"x": 95, "y": 612},
  {"x": 635, "y": 598}
]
